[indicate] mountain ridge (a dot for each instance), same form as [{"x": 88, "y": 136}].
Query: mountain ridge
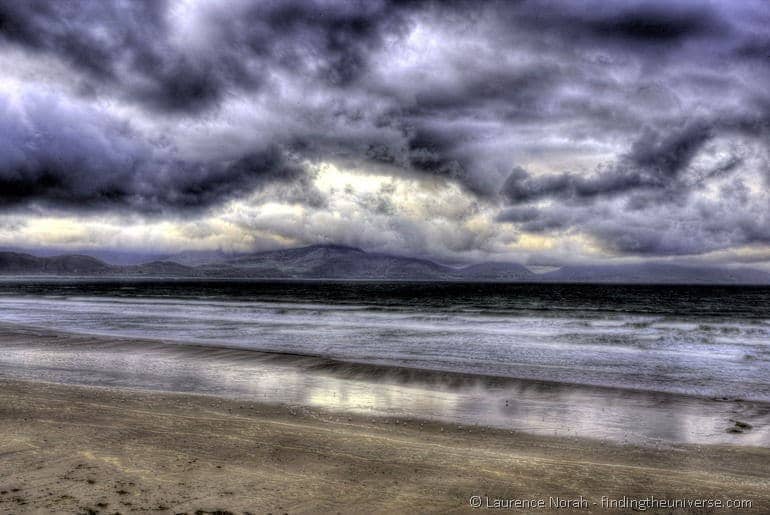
[{"x": 330, "y": 261}]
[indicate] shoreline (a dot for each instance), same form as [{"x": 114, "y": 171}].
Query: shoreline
[
  {"x": 70, "y": 448},
  {"x": 547, "y": 408},
  {"x": 339, "y": 366}
]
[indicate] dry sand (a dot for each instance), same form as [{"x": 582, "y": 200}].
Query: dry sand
[{"x": 70, "y": 449}]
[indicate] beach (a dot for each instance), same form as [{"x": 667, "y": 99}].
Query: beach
[
  {"x": 75, "y": 449},
  {"x": 296, "y": 397}
]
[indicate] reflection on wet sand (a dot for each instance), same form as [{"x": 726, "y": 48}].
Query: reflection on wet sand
[{"x": 625, "y": 416}]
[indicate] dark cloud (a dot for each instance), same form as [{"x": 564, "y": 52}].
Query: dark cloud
[
  {"x": 618, "y": 120},
  {"x": 655, "y": 161},
  {"x": 437, "y": 152},
  {"x": 539, "y": 221},
  {"x": 685, "y": 225},
  {"x": 130, "y": 45},
  {"x": 647, "y": 26},
  {"x": 667, "y": 154},
  {"x": 519, "y": 214},
  {"x": 122, "y": 46},
  {"x": 520, "y": 187},
  {"x": 658, "y": 23},
  {"x": 68, "y": 156}
]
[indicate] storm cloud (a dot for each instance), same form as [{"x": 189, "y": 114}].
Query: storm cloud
[
  {"x": 639, "y": 128},
  {"x": 72, "y": 156}
]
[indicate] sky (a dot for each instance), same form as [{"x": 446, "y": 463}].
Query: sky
[{"x": 544, "y": 132}]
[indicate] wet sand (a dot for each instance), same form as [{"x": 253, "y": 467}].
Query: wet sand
[
  {"x": 620, "y": 416},
  {"x": 77, "y": 449}
]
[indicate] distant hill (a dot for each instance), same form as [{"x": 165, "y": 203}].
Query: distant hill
[
  {"x": 110, "y": 257},
  {"x": 656, "y": 273},
  {"x": 199, "y": 257},
  {"x": 498, "y": 271},
  {"x": 342, "y": 262},
  {"x": 330, "y": 262},
  {"x": 18, "y": 263},
  {"x": 158, "y": 268}
]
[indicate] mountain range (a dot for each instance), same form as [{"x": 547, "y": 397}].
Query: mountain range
[{"x": 343, "y": 262}]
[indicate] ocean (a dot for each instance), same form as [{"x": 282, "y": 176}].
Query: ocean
[{"x": 707, "y": 343}]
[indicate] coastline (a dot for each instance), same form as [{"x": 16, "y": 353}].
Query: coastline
[
  {"x": 76, "y": 448},
  {"x": 617, "y": 415}
]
